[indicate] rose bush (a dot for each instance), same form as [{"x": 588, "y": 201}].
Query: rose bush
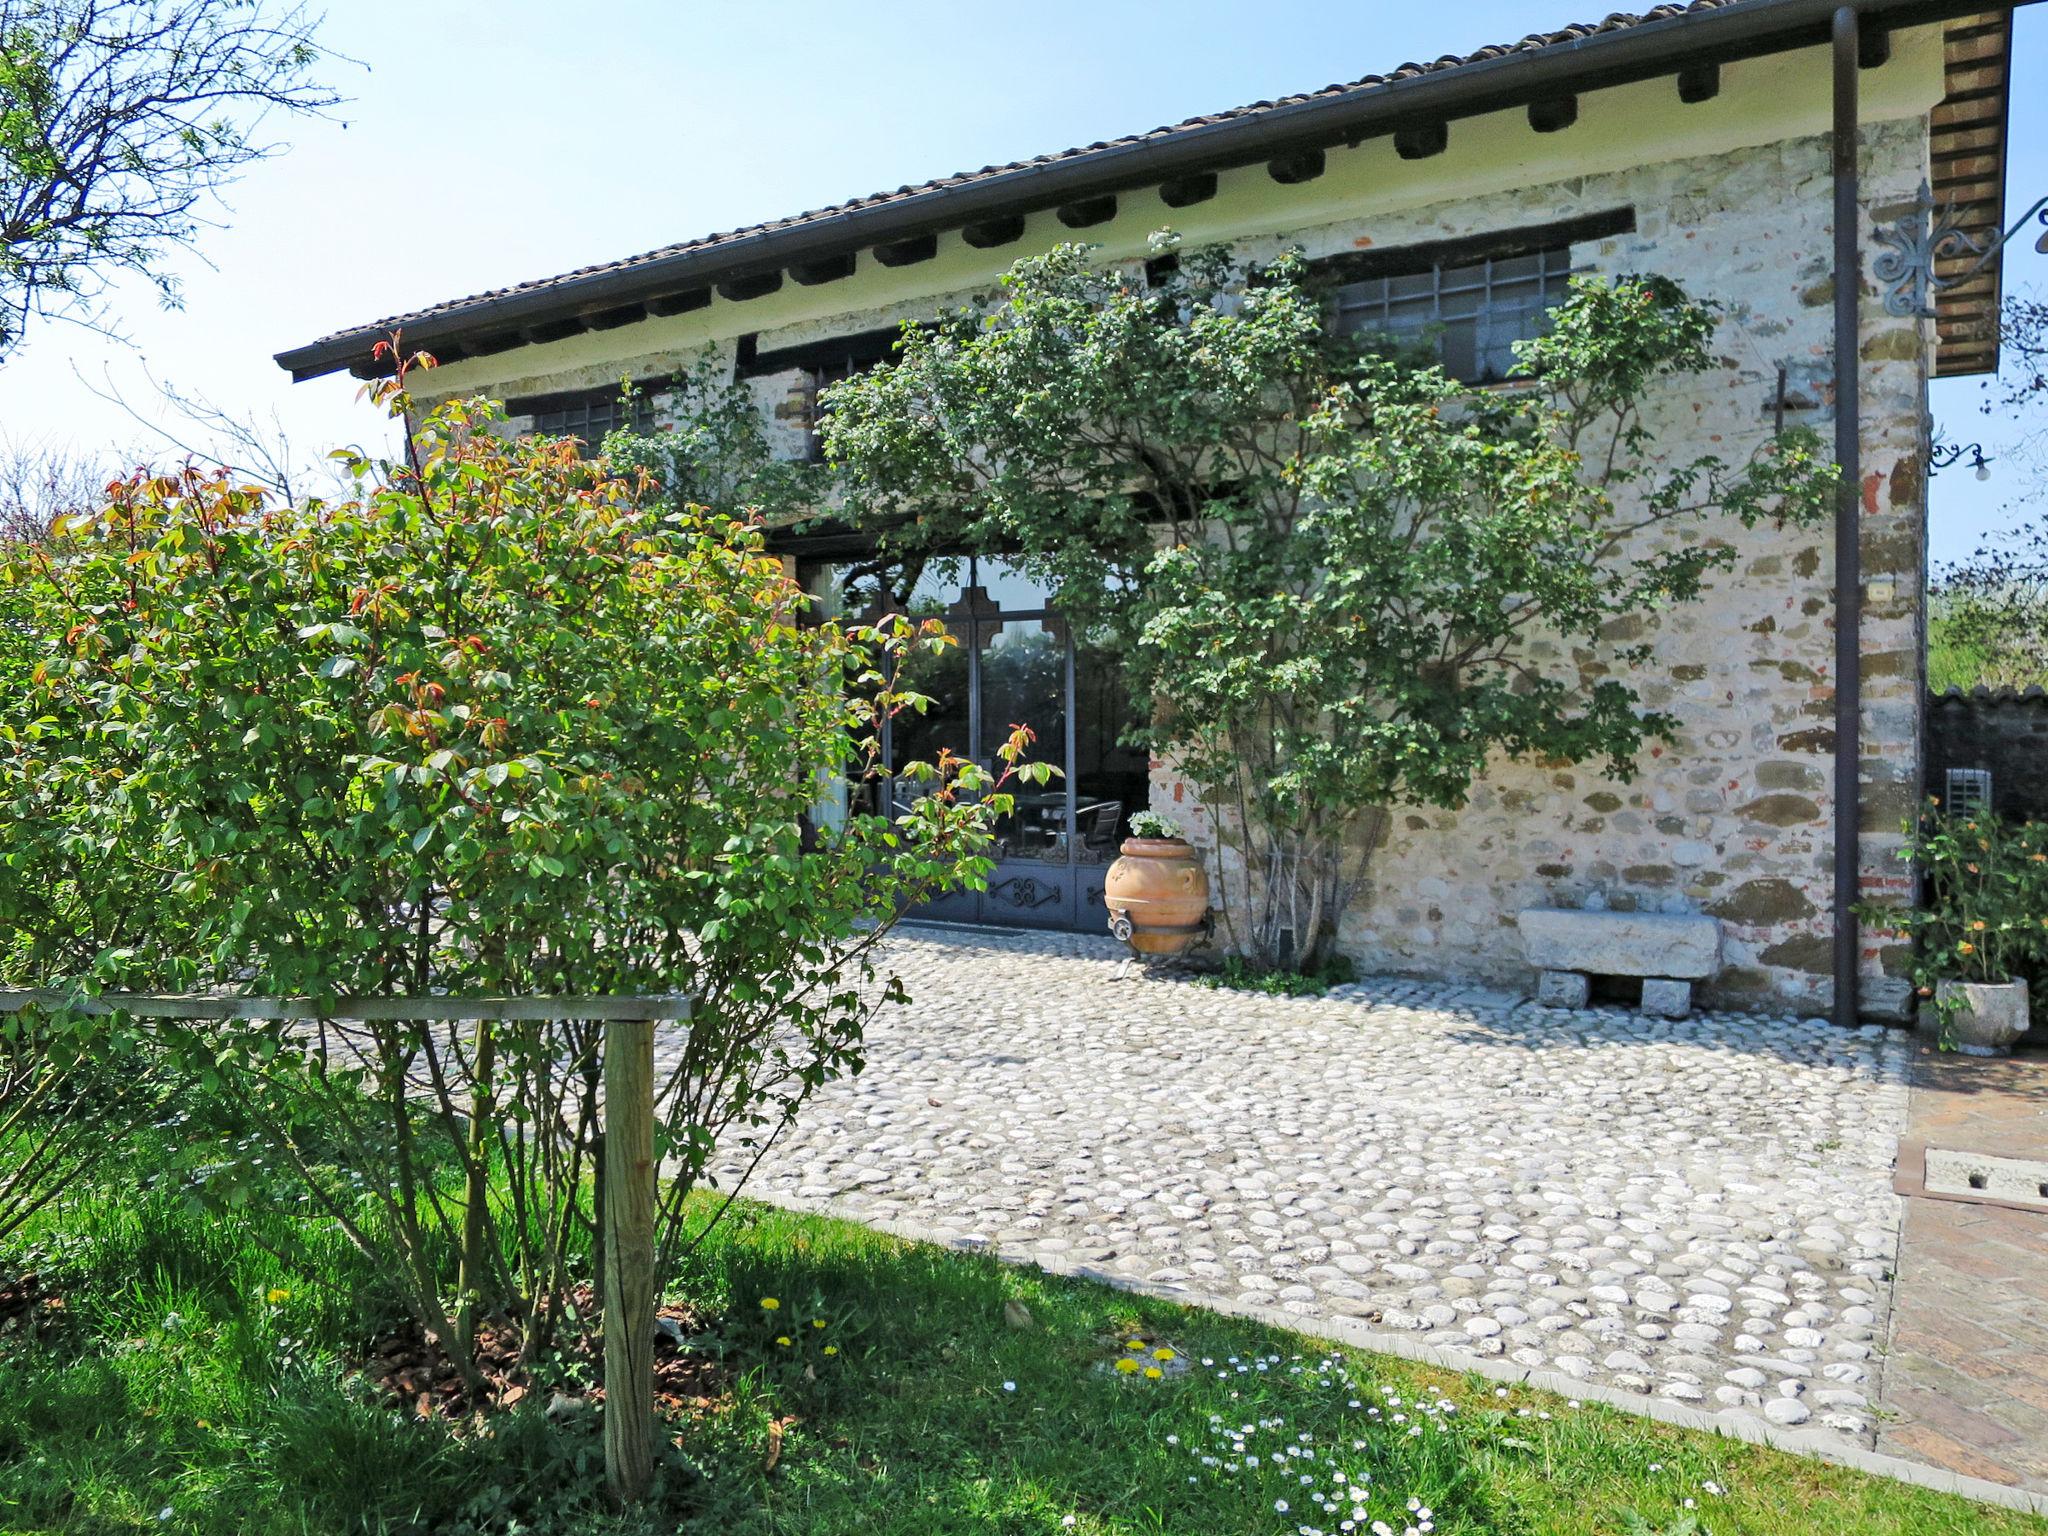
[{"x": 500, "y": 723}]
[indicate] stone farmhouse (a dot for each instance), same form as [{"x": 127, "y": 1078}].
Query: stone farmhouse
[{"x": 1713, "y": 142}]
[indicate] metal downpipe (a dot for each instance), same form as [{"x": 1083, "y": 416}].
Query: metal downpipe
[{"x": 1848, "y": 529}]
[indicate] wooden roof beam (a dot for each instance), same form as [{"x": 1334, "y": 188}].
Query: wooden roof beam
[
  {"x": 1698, "y": 83},
  {"x": 680, "y": 303},
  {"x": 990, "y": 233},
  {"x": 1086, "y": 212},
  {"x": 826, "y": 269},
  {"x": 737, "y": 290},
  {"x": 1422, "y": 141},
  {"x": 1186, "y": 191},
  {"x": 1292, "y": 170},
  {"x": 906, "y": 253}
]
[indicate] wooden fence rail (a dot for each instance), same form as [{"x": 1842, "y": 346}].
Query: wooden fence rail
[{"x": 630, "y": 1193}]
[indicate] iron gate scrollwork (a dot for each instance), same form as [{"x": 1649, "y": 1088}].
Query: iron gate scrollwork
[{"x": 1025, "y": 892}]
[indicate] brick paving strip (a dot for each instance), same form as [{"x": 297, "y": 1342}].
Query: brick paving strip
[{"x": 1966, "y": 1371}]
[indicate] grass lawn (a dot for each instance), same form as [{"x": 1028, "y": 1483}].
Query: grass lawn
[{"x": 192, "y": 1382}]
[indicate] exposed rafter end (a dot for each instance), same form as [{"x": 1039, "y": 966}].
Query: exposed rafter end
[
  {"x": 1698, "y": 83},
  {"x": 612, "y": 319},
  {"x": 1087, "y": 211},
  {"x": 1554, "y": 114},
  {"x": 904, "y": 253},
  {"x": 490, "y": 346},
  {"x": 1186, "y": 191},
  {"x": 680, "y": 303},
  {"x": 990, "y": 233},
  {"x": 1292, "y": 170},
  {"x": 826, "y": 269},
  {"x": 1422, "y": 141},
  {"x": 738, "y": 290},
  {"x": 554, "y": 330}
]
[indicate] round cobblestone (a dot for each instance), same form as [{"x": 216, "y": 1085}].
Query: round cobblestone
[{"x": 1654, "y": 1204}]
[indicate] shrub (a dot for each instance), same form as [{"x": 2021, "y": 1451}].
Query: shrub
[
  {"x": 1983, "y": 909},
  {"x": 496, "y": 724}
]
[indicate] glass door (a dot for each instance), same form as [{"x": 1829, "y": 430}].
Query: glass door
[
  {"x": 1016, "y": 664},
  {"x": 1024, "y": 677}
]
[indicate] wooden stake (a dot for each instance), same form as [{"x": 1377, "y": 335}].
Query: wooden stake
[{"x": 629, "y": 1197}]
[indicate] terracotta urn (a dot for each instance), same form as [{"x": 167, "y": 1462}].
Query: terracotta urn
[
  {"x": 1157, "y": 895},
  {"x": 1976, "y": 1018}
]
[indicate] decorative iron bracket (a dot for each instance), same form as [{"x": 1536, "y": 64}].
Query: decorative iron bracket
[{"x": 1930, "y": 233}]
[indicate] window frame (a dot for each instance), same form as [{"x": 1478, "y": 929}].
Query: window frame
[
  {"x": 1461, "y": 259},
  {"x": 589, "y": 403}
]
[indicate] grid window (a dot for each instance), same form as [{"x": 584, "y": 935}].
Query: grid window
[
  {"x": 1969, "y": 792},
  {"x": 1473, "y": 314},
  {"x": 588, "y": 415}
]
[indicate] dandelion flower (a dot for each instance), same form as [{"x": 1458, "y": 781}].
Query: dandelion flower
[
  {"x": 1153, "y": 1373},
  {"x": 1162, "y": 1353},
  {"x": 769, "y": 1304},
  {"x": 817, "y": 1322},
  {"x": 1137, "y": 1344},
  {"x": 1127, "y": 1365},
  {"x": 278, "y": 1296},
  {"x": 783, "y": 1341},
  {"x": 831, "y": 1349}
]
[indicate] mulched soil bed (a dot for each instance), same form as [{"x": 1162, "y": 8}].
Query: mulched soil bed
[
  {"x": 27, "y": 1309},
  {"x": 414, "y": 1374}
]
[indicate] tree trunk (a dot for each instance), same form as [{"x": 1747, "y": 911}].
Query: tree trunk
[{"x": 477, "y": 1192}]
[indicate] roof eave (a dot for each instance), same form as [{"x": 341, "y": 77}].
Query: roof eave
[{"x": 1644, "y": 51}]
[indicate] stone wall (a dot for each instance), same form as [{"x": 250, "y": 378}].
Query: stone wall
[
  {"x": 1734, "y": 818},
  {"x": 2005, "y": 731}
]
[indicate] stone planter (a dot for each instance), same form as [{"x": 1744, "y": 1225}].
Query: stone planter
[
  {"x": 1987, "y": 1019},
  {"x": 1158, "y": 895}
]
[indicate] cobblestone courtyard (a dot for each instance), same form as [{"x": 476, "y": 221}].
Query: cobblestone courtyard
[{"x": 1699, "y": 1210}]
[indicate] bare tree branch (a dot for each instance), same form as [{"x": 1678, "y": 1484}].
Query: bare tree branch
[
  {"x": 121, "y": 121},
  {"x": 41, "y": 481},
  {"x": 252, "y": 448}
]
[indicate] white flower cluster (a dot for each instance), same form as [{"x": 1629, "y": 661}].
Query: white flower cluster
[{"x": 1344, "y": 1500}]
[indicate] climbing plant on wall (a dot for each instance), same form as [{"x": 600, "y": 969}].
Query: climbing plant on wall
[{"x": 1347, "y": 580}]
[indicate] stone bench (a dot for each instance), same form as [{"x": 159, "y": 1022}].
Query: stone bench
[{"x": 1669, "y": 953}]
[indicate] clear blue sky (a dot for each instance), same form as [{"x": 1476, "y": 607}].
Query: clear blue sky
[{"x": 486, "y": 143}]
